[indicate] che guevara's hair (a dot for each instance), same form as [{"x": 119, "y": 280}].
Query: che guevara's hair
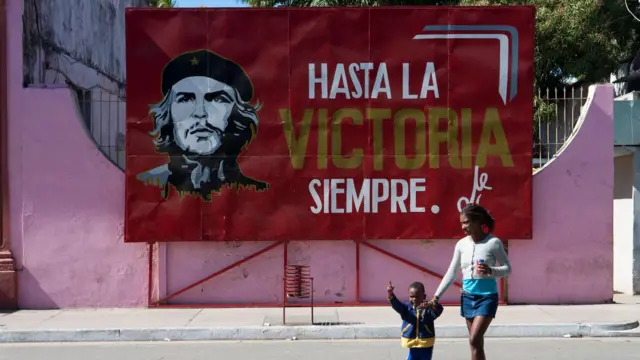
[
  {"x": 242, "y": 126},
  {"x": 479, "y": 214}
]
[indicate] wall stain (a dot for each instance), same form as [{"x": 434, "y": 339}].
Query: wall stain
[
  {"x": 579, "y": 266},
  {"x": 426, "y": 243},
  {"x": 89, "y": 33},
  {"x": 232, "y": 244}
]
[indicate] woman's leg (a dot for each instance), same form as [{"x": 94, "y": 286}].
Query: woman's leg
[
  {"x": 479, "y": 326},
  {"x": 469, "y": 324}
]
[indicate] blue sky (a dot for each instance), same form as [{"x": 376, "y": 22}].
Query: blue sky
[{"x": 209, "y": 3}]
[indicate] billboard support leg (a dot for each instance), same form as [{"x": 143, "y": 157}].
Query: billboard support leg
[
  {"x": 357, "y": 272},
  {"x": 150, "y": 274},
  {"x": 285, "y": 251}
]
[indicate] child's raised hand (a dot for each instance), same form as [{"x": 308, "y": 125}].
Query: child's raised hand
[{"x": 390, "y": 288}]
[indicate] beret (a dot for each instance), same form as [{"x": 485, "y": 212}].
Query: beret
[{"x": 205, "y": 63}]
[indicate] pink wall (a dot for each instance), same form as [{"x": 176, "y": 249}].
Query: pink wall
[
  {"x": 570, "y": 259},
  {"x": 66, "y": 202},
  {"x": 67, "y": 219}
]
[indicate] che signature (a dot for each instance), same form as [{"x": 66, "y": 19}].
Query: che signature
[{"x": 479, "y": 184}]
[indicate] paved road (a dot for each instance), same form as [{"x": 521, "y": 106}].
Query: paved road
[{"x": 498, "y": 349}]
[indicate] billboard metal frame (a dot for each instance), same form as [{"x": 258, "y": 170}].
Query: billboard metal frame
[{"x": 162, "y": 302}]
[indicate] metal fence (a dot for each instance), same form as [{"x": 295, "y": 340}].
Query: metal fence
[
  {"x": 558, "y": 111},
  {"x": 104, "y": 117}
]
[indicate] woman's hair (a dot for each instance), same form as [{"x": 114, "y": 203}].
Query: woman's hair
[{"x": 479, "y": 214}]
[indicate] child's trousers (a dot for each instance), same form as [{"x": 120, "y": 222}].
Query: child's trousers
[{"x": 420, "y": 353}]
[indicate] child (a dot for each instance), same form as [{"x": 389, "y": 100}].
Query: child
[{"x": 418, "y": 333}]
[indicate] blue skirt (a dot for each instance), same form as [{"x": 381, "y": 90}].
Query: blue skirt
[{"x": 472, "y": 305}]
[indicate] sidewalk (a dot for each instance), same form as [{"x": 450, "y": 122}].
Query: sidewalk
[{"x": 620, "y": 319}]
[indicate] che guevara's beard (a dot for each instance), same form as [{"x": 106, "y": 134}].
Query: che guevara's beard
[
  {"x": 202, "y": 140},
  {"x": 198, "y": 169}
]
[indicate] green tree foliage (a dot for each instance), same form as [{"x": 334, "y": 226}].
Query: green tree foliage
[
  {"x": 586, "y": 39},
  {"x": 162, "y": 3},
  {"x": 272, "y": 3}
]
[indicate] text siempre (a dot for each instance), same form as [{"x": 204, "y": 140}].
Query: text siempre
[{"x": 371, "y": 81}]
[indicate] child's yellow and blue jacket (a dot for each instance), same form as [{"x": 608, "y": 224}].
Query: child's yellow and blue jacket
[{"x": 418, "y": 330}]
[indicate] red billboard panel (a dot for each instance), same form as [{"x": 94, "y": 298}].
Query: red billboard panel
[{"x": 327, "y": 123}]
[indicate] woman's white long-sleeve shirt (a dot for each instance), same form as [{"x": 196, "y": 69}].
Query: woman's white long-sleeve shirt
[{"x": 465, "y": 255}]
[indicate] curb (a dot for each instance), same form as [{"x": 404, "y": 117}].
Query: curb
[{"x": 351, "y": 332}]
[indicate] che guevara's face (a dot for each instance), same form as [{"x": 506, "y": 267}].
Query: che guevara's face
[{"x": 200, "y": 113}]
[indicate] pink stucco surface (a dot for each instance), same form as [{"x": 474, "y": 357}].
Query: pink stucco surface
[
  {"x": 570, "y": 259},
  {"x": 66, "y": 202},
  {"x": 67, "y": 210}
]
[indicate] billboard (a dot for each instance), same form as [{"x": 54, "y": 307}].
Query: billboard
[{"x": 327, "y": 123}]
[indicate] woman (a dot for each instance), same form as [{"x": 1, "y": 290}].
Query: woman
[{"x": 477, "y": 255}]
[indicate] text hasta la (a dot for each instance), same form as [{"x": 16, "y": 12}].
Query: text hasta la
[{"x": 352, "y": 81}]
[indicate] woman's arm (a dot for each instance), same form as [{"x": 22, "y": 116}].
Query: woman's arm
[
  {"x": 451, "y": 274},
  {"x": 501, "y": 256},
  {"x": 436, "y": 311}
]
